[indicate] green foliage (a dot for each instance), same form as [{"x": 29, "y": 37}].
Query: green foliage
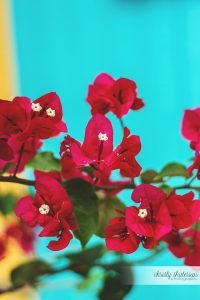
[
  {"x": 87, "y": 256},
  {"x": 83, "y": 261},
  {"x": 29, "y": 272},
  {"x": 44, "y": 161},
  {"x": 113, "y": 287},
  {"x": 165, "y": 188},
  {"x": 85, "y": 204},
  {"x": 196, "y": 226},
  {"x": 107, "y": 210},
  {"x": 7, "y": 203},
  {"x": 172, "y": 170},
  {"x": 149, "y": 176}
]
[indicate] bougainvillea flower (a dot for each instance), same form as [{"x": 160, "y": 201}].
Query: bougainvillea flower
[
  {"x": 98, "y": 142},
  {"x": 191, "y": 127},
  {"x": 123, "y": 157},
  {"x": 176, "y": 244},
  {"x": 97, "y": 150},
  {"x": 107, "y": 94},
  {"x": 183, "y": 209},
  {"x": 69, "y": 168},
  {"x": 51, "y": 209},
  {"x": 42, "y": 118},
  {"x": 185, "y": 245},
  {"x": 192, "y": 237},
  {"x": 23, "y": 124},
  {"x": 23, "y": 234},
  {"x": 6, "y": 152},
  {"x": 195, "y": 165},
  {"x": 2, "y": 248},
  {"x": 46, "y": 117},
  {"x": 25, "y": 151},
  {"x": 119, "y": 237},
  {"x": 14, "y": 116},
  {"x": 151, "y": 219}
]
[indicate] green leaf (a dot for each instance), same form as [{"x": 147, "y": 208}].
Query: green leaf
[
  {"x": 7, "y": 167},
  {"x": 7, "y": 203},
  {"x": 87, "y": 256},
  {"x": 196, "y": 226},
  {"x": 171, "y": 170},
  {"x": 149, "y": 176},
  {"x": 44, "y": 161},
  {"x": 29, "y": 272},
  {"x": 83, "y": 261},
  {"x": 165, "y": 188},
  {"x": 113, "y": 287},
  {"x": 85, "y": 204},
  {"x": 107, "y": 210}
]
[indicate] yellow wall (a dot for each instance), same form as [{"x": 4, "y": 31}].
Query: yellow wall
[{"x": 8, "y": 80}]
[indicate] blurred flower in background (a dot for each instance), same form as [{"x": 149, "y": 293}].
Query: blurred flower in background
[{"x": 16, "y": 240}]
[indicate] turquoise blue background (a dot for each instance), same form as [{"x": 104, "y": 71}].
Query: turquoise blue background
[{"x": 63, "y": 44}]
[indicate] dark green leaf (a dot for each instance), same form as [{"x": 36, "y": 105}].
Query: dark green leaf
[
  {"x": 82, "y": 262},
  {"x": 7, "y": 203},
  {"x": 107, "y": 211},
  {"x": 44, "y": 161},
  {"x": 149, "y": 176},
  {"x": 85, "y": 204},
  {"x": 28, "y": 272},
  {"x": 165, "y": 188},
  {"x": 113, "y": 287},
  {"x": 87, "y": 256},
  {"x": 196, "y": 226},
  {"x": 171, "y": 170}
]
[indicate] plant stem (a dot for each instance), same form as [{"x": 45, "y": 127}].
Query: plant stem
[
  {"x": 17, "y": 180},
  {"x": 19, "y": 160}
]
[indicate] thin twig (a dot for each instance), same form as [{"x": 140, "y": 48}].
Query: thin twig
[
  {"x": 19, "y": 160},
  {"x": 17, "y": 180}
]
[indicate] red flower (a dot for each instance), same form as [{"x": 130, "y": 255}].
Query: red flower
[
  {"x": 176, "y": 244},
  {"x": 119, "y": 237},
  {"x": 97, "y": 150},
  {"x": 191, "y": 127},
  {"x": 151, "y": 219},
  {"x": 23, "y": 123},
  {"x": 98, "y": 142},
  {"x": 123, "y": 157},
  {"x": 186, "y": 244},
  {"x": 69, "y": 168},
  {"x": 6, "y": 152},
  {"x": 46, "y": 117},
  {"x": 118, "y": 96},
  {"x": 30, "y": 147},
  {"x": 183, "y": 210},
  {"x": 192, "y": 236},
  {"x": 2, "y": 248},
  {"x": 23, "y": 234},
  {"x": 51, "y": 209},
  {"x": 195, "y": 165},
  {"x": 14, "y": 116}
]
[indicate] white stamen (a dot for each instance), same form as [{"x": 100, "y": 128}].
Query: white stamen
[
  {"x": 51, "y": 112},
  {"x": 103, "y": 136},
  {"x": 142, "y": 213},
  {"x": 44, "y": 209},
  {"x": 36, "y": 107}
]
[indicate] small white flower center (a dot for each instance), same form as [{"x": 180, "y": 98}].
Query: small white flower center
[
  {"x": 51, "y": 112},
  {"x": 44, "y": 209},
  {"x": 103, "y": 136},
  {"x": 36, "y": 107},
  {"x": 142, "y": 213}
]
